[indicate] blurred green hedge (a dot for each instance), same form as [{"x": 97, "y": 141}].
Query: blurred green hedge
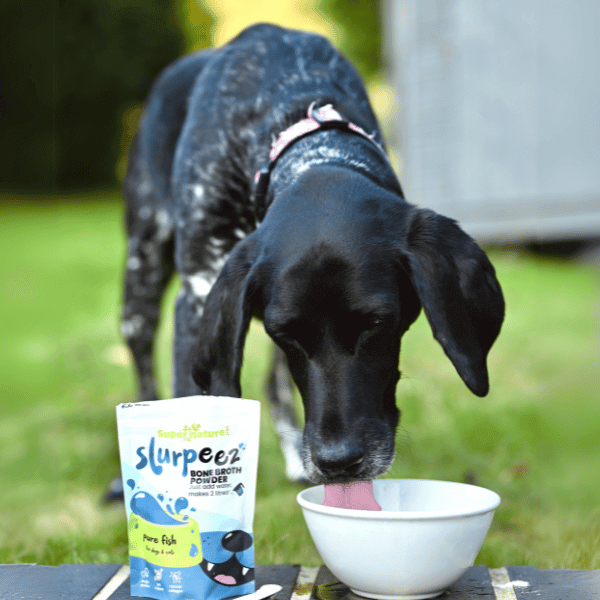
[
  {"x": 74, "y": 72},
  {"x": 68, "y": 70}
]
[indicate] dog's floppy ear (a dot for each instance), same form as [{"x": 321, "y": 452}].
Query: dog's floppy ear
[
  {"x": 227, "y": 313},
  {"x": 457, "y": 286}
]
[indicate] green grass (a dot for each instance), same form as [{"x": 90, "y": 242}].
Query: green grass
[{"x": 533, "y": 439}]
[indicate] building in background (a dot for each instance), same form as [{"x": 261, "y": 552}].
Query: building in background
[{"x": 499, "y": 113}]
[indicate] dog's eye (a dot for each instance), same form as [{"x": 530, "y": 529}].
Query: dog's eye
[
  {"x": 374, "y": 321},
  {"x": 297, "y": 336},
  {"x": 373, "y": 325},
  {"x": 287, "y": 340},
  {"x": 357, "y": 327}
]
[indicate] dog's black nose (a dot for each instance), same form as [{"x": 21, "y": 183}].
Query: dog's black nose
[
  {"x": 236, "y": 541},
  {"x": 339, "y": 458}
]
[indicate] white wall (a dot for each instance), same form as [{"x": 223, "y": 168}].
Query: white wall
[{"x": 499, "y": 122}]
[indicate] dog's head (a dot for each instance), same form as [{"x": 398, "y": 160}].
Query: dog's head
[{"x": 338, "y": 271}]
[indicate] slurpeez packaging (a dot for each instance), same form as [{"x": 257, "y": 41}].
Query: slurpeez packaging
[{"x": 189, "y": 474}]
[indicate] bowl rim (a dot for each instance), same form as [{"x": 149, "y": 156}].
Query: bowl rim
[{"x": 400, "y": 515}]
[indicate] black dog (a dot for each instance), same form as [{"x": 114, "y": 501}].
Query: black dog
[{"x": 258, "y": 175}]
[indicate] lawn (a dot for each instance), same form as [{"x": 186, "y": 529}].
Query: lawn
[{"x": 533, "y": 439}]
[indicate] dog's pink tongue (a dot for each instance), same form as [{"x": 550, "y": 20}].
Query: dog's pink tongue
[{"x": 357, "y": 495}]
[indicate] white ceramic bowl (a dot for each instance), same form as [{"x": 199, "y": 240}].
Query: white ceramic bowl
[{"x": 427, "y": 535}]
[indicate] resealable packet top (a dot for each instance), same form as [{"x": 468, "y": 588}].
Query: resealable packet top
[{"x": 189, "y": 474}]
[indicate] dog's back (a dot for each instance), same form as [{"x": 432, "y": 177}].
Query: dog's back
[{"x": 224, "y": 106}]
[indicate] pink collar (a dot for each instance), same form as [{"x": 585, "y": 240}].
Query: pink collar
[
  {"x": 315, "y": 120},
  {"x": 325, "y": 117}
]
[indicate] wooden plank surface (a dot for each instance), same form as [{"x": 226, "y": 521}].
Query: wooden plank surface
[
  {"x": 530, "y": 583},
  {"x": 111, "y": 582},
  {"x": 67, "y": 582}
]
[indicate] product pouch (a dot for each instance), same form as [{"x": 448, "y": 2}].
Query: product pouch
[{"x": 189, "y": 474}]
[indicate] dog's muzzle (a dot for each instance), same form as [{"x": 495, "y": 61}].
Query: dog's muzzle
[{"x": 364, "y": 453}]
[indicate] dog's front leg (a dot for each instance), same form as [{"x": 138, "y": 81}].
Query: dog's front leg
[
  {"x": 280, "y": 388},
  {"x": 188, "y": 312}
]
